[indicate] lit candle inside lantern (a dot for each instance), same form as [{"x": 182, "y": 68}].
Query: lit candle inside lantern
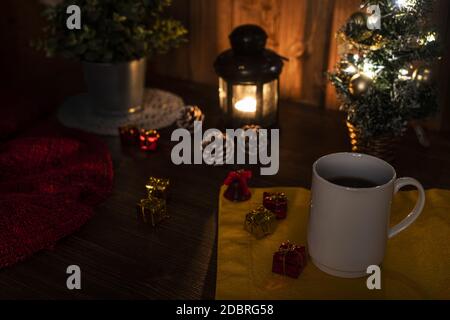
[{"x": 247, "y": 105}]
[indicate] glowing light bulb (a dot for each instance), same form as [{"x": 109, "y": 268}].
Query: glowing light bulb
[
  {"x": 406, "y": 4},
  {"x": 351, "y": 69},
  {"x": 404, "y": 74},
  {"x": 370, "y": 70},
  {"x": 430, "y": 37}
]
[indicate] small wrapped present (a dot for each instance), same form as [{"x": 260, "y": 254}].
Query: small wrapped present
[
  {"x": 277, "y": 203},
  {"x": 129, "y": 135},
  {"x": 152, "y": 211},
  {"x": 157, "y": 187},
  {"x": 260, "y": 222},
  {"x": 237, "y": 182},
  {"x": 289, "y": 260},
  {"x": 148, "y": 140}
]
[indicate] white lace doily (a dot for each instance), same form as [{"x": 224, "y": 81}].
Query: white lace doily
[{"x": 160, "y": 109}]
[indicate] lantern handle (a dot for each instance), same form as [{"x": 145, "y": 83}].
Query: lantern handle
[{"x": 283, "y": 58}]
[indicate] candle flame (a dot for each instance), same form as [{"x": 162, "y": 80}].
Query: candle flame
[{"x": 247, "y": 104}]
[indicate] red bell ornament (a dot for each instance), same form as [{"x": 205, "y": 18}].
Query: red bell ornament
[{"x": 237, "y": 182}]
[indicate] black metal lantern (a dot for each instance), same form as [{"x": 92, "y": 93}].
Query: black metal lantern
[{"x": 249, "y": 79}]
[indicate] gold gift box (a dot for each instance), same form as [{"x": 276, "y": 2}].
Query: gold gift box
[
  {"x": 260, "y": 222},
  {"x": 152, "y": 211}
]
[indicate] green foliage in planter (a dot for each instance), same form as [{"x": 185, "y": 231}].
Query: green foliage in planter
[{"x": 112, "y": 30}]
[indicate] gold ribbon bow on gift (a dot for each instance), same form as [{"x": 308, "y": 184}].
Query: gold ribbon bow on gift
[
  {"x": 157, "y": 187},
  {"x": 285, "y": 248}
]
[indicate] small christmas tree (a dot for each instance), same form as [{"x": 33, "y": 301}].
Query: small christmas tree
[{"x": 383, "y": 77}]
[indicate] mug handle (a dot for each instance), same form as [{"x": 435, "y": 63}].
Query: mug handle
[{"x": 399, "y": 184}]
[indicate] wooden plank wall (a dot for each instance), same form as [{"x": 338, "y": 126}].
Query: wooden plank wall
[
  {"x": 286, "y": 32},
  {"x": 342, "y": 10}
]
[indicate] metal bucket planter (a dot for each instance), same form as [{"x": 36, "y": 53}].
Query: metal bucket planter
[{"x": 116, "y": 89}]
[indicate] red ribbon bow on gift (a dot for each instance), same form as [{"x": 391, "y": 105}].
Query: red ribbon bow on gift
[{"x": 241, "y": 176}]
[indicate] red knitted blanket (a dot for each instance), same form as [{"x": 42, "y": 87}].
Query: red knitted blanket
[{"x": 49, "y": 185}]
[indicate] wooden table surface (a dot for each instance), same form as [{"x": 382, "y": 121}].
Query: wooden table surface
[{"x": 121, "y": 259}]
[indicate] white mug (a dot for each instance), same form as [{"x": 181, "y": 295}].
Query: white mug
[{"x": 348, "y": 225}]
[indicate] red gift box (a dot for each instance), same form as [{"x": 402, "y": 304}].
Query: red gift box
[
  {"x": 129, "y": 135},
  {"x": 277, "y": 203},
  {"x": 148, "y": 140},
  {"x": 289, "y": 260}
]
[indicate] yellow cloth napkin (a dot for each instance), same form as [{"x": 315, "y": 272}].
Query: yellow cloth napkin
[{"x": 417, "y": 263}]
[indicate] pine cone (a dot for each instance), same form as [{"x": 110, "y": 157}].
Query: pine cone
[{"x": 188, "y": 116}]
